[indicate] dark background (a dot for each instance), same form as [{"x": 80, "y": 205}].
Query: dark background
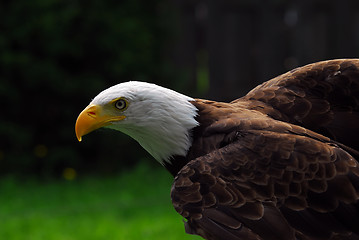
[{"x": 55, "y": 55}]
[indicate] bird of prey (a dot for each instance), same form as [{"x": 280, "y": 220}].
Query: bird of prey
[{"x": 278, "y": 163}]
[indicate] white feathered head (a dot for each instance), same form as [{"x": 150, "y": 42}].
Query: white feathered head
[{"x": 158, "y": 118}]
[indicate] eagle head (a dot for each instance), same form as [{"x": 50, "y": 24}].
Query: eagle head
[{"x": 158, "y": 118}]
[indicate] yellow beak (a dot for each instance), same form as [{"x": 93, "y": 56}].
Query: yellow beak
[{"x": 92, "y": 118}]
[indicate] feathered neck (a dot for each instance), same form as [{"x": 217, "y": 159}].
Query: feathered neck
[{"x": 171, "y": 136}]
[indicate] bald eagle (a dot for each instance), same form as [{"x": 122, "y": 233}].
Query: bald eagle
[{"x": 279, "y": 163}]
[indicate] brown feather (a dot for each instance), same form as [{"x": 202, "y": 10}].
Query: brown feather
[
  {"x": 278, "y": 163},
  {"x": 323, "y": 97}
]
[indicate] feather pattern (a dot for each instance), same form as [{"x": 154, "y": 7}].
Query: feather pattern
[{"x": 278, "y": 163}]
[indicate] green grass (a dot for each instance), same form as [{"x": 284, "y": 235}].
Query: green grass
[{"x": 134, "y": 205}]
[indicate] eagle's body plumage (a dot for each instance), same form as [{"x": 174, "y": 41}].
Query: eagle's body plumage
[{"x": 278, "y": 163}]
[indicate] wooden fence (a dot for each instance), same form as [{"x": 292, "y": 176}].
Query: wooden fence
[{"x": 241, "y": 43}]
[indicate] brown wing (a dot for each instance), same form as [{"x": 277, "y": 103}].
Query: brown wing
[
  {"x": 323, "y": 97},
  {"x": 270, "y": 185}
]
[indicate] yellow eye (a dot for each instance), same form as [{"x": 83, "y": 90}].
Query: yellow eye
[{"x": 121, "y": 104}]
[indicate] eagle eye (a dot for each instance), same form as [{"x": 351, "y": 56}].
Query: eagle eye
[{"x": 121, "y": 104}]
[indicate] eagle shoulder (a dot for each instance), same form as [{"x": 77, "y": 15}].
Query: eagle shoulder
[{"x": 258, "y": 182}]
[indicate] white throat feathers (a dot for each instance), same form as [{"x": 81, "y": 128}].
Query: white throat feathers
[{"x": 160, "y": 119}]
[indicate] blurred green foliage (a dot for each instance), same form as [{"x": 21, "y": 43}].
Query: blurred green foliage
[
  {"x": 92, "y": 208},
  {"x": 55, "y": 55}
]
